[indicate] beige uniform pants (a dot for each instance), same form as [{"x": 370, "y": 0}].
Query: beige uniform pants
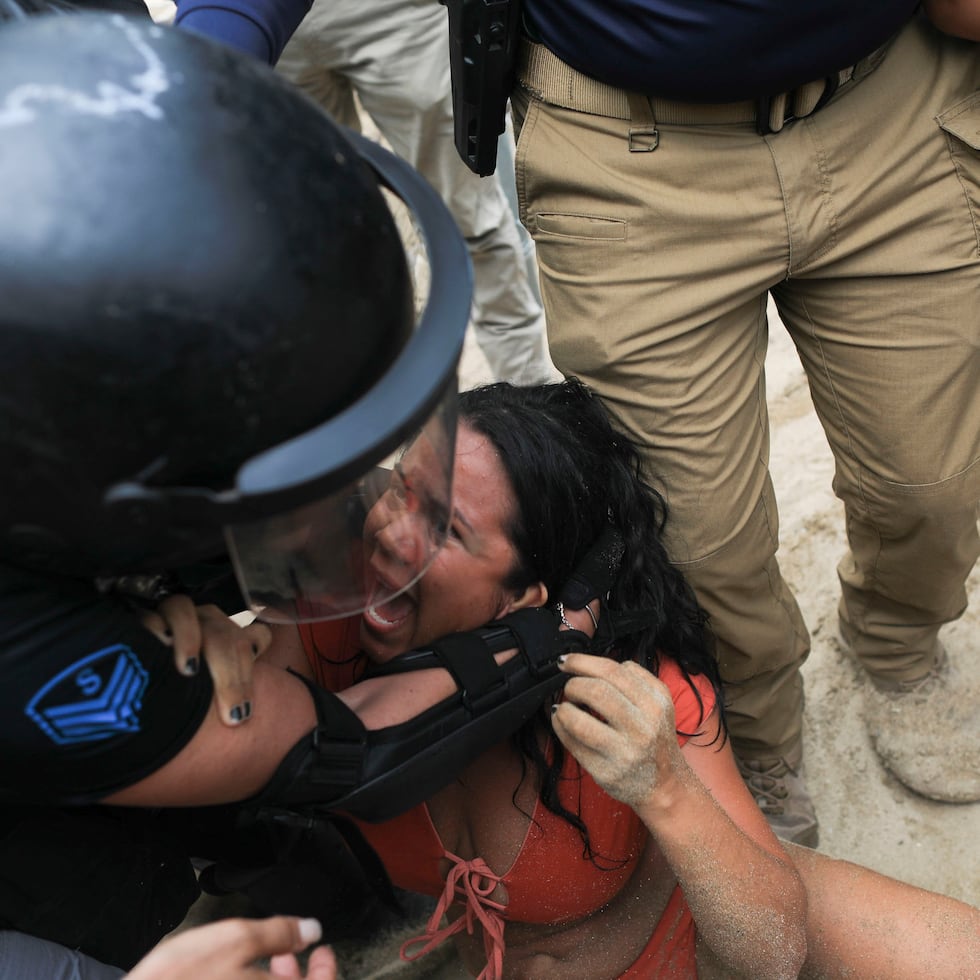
[
  {"x": 863, "y": 220},
  {"x": 395, "y": 55}
]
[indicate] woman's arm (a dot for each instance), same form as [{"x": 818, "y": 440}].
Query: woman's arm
[
  {"x": 744, "y": 893},
  {"x": 224, "y": 765}
]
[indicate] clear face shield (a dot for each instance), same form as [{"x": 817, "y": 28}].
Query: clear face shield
[
  {"x": 359, "y": 546},
  {"x": 351, "y": 513}
]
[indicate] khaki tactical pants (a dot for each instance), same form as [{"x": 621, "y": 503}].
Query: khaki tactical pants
[{"x": 659, "y": 232}]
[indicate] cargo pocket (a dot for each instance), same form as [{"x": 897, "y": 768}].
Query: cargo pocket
[{"x": 961, "y": 123}]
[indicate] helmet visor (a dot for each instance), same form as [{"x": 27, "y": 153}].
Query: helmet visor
[{"x": 359, "y": 546}]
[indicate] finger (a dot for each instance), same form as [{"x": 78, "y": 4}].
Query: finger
[
  {"x": 276, "y": 935},
  {"x": 577, "y": 730},
  {"x": 180, "y": 629},
  {"x": 322, "y": 964},
  {"x": 229, "y": 651},
  {"x": 259, "y": 636},
  {"x": 285, "y": 965},
  {"x": 600, "y": 696},
  {"x": 588, "y": 665},
  {"x": 637, "y": 684},
  {"x": 157, "y": 625}
]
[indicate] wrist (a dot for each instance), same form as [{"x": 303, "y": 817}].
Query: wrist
[{"x": 671, "y": 796}]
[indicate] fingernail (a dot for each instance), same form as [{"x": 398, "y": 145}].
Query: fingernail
[
  {"x": 309, "y": 931},
  {"x": 561, "y": 660},
  {"x": 247, "y": 708},
  {"x": 237, "y": 713},
  {"x": 554, "y": 708},
  {"x": 191, "y": 666},
  {"x": 255, "y": 649}
]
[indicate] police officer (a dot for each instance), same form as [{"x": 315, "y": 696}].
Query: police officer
[{"x": 208, "y": 337}]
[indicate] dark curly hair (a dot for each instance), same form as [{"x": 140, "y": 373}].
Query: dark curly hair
[{"x": 573, "y": 473}]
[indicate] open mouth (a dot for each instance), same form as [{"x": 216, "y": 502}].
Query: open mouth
[{"x": 386, "y": 614}]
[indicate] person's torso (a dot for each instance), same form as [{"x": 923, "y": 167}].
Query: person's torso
[{"x": 713, "y": 50}]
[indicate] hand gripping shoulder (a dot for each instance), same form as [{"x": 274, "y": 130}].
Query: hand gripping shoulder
[{"x": 376, "y": 775}]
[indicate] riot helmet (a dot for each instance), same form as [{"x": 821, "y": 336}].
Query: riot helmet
[{"x": 209, "y": 333}]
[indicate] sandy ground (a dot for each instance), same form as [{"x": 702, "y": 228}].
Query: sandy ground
[{"x": 865, "y": 815}]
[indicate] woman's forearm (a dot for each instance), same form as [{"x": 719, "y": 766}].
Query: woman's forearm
[{"x": 748, "y": 903}]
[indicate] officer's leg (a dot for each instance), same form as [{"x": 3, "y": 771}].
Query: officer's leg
[
  {"x": 397, "y": 56},
  {"x": 887, "y": 319},
  {"x": 654, "y": 268},
  {"x": 314, "y": 60}
]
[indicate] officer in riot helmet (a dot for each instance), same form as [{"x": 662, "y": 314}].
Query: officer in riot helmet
[
  {"x": 208, "y": 338},
  {"x": 209, "y": 341},
  {"x": 210, "y": 347}
]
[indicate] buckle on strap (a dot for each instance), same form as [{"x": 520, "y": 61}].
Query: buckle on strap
[{"x": 644, "y": 137}]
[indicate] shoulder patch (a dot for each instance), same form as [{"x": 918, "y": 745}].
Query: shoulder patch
[{"x": 95, "y": 698}]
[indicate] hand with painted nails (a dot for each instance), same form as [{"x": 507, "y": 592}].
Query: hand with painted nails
[
  {"x": 617, "y": 719},
  {"x": 228, "y": 950},
  {"x": 228, "y": 650}
]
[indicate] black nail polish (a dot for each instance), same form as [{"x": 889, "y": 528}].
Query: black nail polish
[
  {"x": 191, "y": 666},
  {"x": 236, "y": 714},
  {"x": 247, "y": 708}
]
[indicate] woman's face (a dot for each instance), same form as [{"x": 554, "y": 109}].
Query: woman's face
[{"x": 463, "y": 588}]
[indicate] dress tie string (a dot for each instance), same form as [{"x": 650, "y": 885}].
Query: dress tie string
[{"x": 470, "y": 883}]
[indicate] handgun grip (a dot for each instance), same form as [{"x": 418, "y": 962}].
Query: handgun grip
[{"x": 483, "y": 36}]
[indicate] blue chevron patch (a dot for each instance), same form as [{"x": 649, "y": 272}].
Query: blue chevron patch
[{"x": 97, "y": 697}]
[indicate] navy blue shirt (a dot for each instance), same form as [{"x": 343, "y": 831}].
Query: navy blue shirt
[
  {"x": 257, "y": 27},
  {"x": 714, "y": 50}
]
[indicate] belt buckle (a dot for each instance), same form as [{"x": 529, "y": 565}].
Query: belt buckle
[
  {"x": 763, "y": 113},
  {"x": 763, "y": 105}
]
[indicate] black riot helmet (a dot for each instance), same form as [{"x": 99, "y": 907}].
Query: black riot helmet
[{"x": 208, "y": 339}]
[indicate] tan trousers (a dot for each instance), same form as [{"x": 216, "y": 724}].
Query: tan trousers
[
  {"x": 656, "y": 254},
  {"x": 395, "y": 55}
]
